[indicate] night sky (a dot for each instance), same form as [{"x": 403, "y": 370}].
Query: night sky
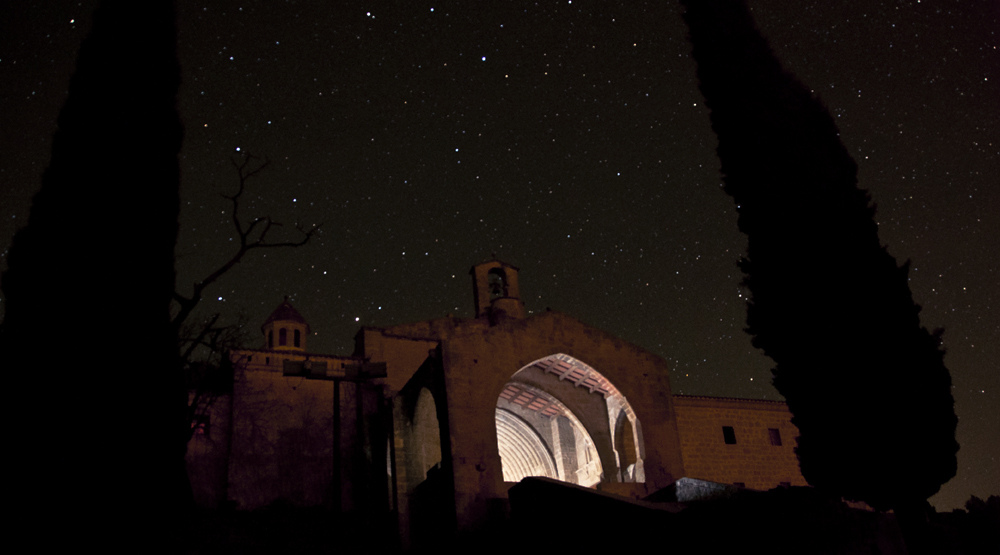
[{"x": 568, "y": 138}]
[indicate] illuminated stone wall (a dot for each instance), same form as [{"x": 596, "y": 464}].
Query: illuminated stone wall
[
  {"x": 478, "y": 359},
  {"x": 752, "y": 459}
]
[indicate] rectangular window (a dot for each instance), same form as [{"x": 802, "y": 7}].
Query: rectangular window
[
  {"x": 775, "y": 435},
  {"x": 729, "y": 435}
]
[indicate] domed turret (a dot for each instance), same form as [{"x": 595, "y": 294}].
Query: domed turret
[{"x": 285, "y": 329}]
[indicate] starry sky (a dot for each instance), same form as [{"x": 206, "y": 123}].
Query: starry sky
[{"x": 567, "y": 138}]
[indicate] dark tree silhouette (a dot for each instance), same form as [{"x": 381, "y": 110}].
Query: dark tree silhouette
[
  {"x": 206, "y": 365},
  {"x": 86, "y": 338},
  {"x": 866, "y": 384}
]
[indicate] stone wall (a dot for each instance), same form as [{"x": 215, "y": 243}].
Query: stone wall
[
  {"x": 477, "y": 366},
  {"x": 752, "y": 458},
  {"x": 272, "y": 439}
]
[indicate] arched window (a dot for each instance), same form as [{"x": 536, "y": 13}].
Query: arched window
[
  {"x": 497, "y": 281},
  {"x": 297, "y": 338},
  {"x": 626, "y": 445},
  {"x": 282, "y": 337},
  {"x": 427, "y": 431}
]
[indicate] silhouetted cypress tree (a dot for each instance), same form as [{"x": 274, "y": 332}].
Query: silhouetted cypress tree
[
  {"x": 86, "y": 338},
  {"x": 866, "y": 384}
]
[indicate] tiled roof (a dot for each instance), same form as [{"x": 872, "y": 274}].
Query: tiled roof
[{"x": 285, "y": 313}]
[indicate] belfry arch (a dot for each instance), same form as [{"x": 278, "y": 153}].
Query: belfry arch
[{"x": 560, "y": 418}]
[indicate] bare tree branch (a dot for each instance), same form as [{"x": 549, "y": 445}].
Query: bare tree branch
[
  {"x": 252, "y": 236},
  {"x": 200, "y": 340},
  {"x": 205, "y": 348},
  {"x": 208, "y": 367}
]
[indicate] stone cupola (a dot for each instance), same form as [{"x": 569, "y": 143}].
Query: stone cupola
[{"x": 285, "y": 329}]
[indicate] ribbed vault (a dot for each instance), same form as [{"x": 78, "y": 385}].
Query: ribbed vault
[
  {"x": 560, "y": 418},
  {"x": 521, "y": 449}
]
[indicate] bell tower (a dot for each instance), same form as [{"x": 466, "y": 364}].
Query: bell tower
[
  {"x": 495, "y": 291},
  {"x": 285, "y": 329}
]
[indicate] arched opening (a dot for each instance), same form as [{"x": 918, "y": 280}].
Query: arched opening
[
  {"x": 627, "y": 445},
  {"x": 427, "y": 433},
  {"x": 560, "y": 418},
  {"x": 497, "y": 282}
]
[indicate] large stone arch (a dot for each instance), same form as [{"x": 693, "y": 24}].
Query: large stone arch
[
  {"x": 560, "y": 409},
  {"x": 422, "y": 446}
]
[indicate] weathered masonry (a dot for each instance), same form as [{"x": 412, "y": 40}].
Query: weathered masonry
[{"x": 434, "y": 421}]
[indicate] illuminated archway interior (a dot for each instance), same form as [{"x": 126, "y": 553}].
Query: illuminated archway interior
[{"x": 559, "y": 418}]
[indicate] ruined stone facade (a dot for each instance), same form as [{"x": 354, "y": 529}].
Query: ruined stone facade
[{"x": 432, "y": 422}]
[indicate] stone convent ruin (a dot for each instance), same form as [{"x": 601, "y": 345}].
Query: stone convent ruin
[{"x": 433, "y": 422}]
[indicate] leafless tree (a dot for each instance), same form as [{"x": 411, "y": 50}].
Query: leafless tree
[
  {"x": 204, "y": 346},
  {"x": 253, "y": 235}
]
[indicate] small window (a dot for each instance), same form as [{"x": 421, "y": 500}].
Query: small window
[
  {"x": 200, "y": 425},
  {"x": 282, "y": 337},
  {"x": 297, "y": 338},
  {"x": 774, "y": 435},
  {"x": 729, "y": 435},
  {"x": 267, "y": 361}
]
